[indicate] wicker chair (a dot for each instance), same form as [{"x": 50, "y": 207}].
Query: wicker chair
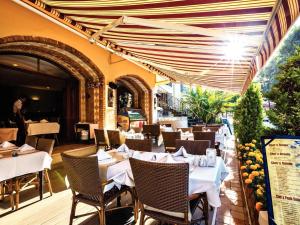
[
  {"x": 197, "y": 147},
  {"x": 201, "y": 135},
  {"x": 100, "y": 138},
  {"x": 162, "y": 190},
  {"x": 86, "y": 185},
  {"x": 31, "y": 140},
  {"x": 170, "y": 140},
  {"x": 114, "y": 138},
  {"x": 139, "y": 145},
  {"x": 151, "y": 131},
  {"x": 212, "y": 129},
  {"x": 185, "y": 129},
  {"x": 45, "y": 145},
  {"x": 198, "y": 127}
]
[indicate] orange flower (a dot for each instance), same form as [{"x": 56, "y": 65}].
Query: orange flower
[
  {"x": 253, "y": 167},
  {"x": 257, "y": 165},
  {"x": 243, "y": 167},
  {"x": 245, "y": 174},
  {"x": 251, "y": 176},
  {"x": 255, "y": 173},
  {"x": 248, "y": 162},
  {"x": 248, "y": 181},
  {"x": 258, "y": 206}
]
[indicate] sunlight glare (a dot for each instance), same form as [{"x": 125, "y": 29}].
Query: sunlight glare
[{"x": 235, "y": 49}]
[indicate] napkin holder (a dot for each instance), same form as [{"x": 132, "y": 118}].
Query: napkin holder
[{"x": 211, "y": 157}]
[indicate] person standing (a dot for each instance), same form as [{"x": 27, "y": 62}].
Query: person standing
[{"x": 19, "y": 119}]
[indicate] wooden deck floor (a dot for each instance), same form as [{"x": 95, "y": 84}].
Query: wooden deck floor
[{"x": 56, "y": 209}]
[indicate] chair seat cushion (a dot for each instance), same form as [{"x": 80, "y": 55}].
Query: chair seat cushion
[
  {"x": 108, "y": 196},
  {"x": 169, "y": 213}
]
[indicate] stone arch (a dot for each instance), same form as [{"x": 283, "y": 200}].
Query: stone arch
[
  {"x": 144, "y": 92},
  {"x": 91, "y": 79}
]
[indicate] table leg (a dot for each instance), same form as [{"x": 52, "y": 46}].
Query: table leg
[
  {"x": 41, "y": 183},
  {"x": 213, "y": 220}
]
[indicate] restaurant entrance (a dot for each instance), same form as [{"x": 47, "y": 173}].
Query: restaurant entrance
[{"x": 52, "y": 95}]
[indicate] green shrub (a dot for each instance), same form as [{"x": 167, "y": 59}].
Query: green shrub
[
  {"x": 248, "y": 115},
  {"x": 286, "y": 96}
]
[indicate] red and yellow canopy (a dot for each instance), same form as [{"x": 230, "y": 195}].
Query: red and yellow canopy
[{"x": 187, "y": 40}]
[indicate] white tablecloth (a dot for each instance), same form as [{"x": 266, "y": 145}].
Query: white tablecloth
[
  {"x": 42, "y": 128},
  {"x": 129, "y": 135},
  {"x": 11, "y": 167},
  {"x": 201, "y": 179}
]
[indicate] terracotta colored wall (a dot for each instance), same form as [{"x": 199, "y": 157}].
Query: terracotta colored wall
[{"x": 17, "y": 20}]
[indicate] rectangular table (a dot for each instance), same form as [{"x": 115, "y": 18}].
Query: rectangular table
[
  {"x": 11, "y": 167},
  {"x": 201, "y": 179},
  {"x": 43, "y": 128}
]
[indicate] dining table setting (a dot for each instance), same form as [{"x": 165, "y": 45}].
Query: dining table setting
[
  {"x": 17, "y": 161},
  {"x": 206, "y": 172}
]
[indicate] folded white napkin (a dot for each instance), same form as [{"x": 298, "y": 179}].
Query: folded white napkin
[
  {"x": 25, "y": 148},
  {"x": 7, "y": 144},
  {"x": 28, "y": 121},
  {"x": 181, "y": 152},
  {"x": 43, "y": 121},
  {"x": 102, "y": 155},
  {"x": 123, "y": 148},
  {"x": 211, "y": 156},
  {"x": 187, "y": 132},
  {"x": 180, "y": 130},
  {"x": 136, "y": 155}
]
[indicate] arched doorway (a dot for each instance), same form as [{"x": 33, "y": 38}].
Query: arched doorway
[
  {"x": 140, "y": 91},
  {"x": 89, "y": 88}
]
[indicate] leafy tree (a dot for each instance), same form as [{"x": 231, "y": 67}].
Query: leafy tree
[
  {"x": 205, "y": 104},
  {"x": 267, "y": 77},
  {"x": 286, "y": 96},
  {"x": 248, "y": 116}
]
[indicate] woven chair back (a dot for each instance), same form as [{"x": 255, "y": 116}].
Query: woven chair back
[
  {"x": 114, "y": 137},
  {"x": 197, "y": 147},
  {"x": 211, "y": 136},
  {"x": 31, "y": 140},
  {"x": 139, "y": 145},
  {"x": 152, "y": 129},
  {"x": 83, "y": 174},
  {"x": 100, "y": 136},
  {"x": 170, "y": 138},
  {"x": 198, "y": 127},
  {"x": 45, "y": 145},
  {"x": 160, "y": 185}
]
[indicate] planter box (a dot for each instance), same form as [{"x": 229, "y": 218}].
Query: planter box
[{"x": 250, "y": 201}]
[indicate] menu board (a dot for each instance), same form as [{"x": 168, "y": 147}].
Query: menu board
[{"x": 282, "y": 173}]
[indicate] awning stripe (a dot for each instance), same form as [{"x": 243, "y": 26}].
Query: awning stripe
[{"x": 184, "y": 53}]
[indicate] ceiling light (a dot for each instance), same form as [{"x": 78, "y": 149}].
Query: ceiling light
[
  {"x": 35, "y": 98},
  {"x": 15, "y": 65},
  {"x": 48, "y": 87}
]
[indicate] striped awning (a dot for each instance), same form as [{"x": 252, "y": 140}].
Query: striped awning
[{"x": 197, "y": 42}]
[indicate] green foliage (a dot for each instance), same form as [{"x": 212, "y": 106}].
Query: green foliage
[
  {"x": 286, "y": 95},
  {"x": 206, "y": 105},
  {"x": 267, "y": 77},
  {"x": 248, "y": 115}
]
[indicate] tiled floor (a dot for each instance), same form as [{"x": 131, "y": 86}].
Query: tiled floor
[
  {"x": 232, "y": 211},
  {"x": 56, "y": 209}
]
